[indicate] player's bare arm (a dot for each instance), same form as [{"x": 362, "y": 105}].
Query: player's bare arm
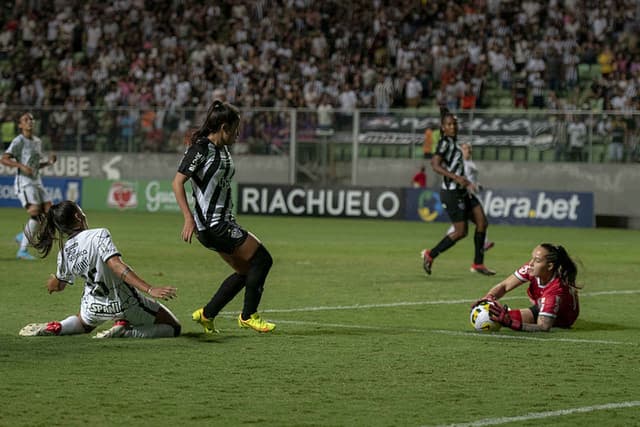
[
  {"x": 130, "y": 277},
  {"x": 55, "y": 285}
]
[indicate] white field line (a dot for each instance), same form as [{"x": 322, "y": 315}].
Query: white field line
[
  {"x": 547, "y": 414},
  {"x": 451, "y": 333},
  {"x": 414, "y": 303}
]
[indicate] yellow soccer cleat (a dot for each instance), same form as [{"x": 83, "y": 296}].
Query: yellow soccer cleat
[
  {"x": 208, "y": 324},
  {"x": 256, "y": 323}
]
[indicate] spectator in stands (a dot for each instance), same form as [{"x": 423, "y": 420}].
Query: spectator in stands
[
  {"x": 413, "y": 91},
  {"x": 606, "y": 59},
  {"x": 431, "y": 138},
  {"x": 560, "y": 138},
  {"x": 577, "y": 132},
  {"x": 521, "y": 92},
  {"x": 420, "y": 178},
  {"x": 257, "y": 63},
  {"x": 618, "y": 137}
]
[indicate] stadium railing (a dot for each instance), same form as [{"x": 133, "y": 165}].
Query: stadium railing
[{"x": 505, "y": 134}]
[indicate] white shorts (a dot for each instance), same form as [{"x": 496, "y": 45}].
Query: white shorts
[
  {"x": 33, "y": 194},
  {"x": 138, "y": 310}
]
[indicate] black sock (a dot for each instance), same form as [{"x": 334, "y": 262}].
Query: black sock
[
  {"x": 444, "y": 244},
  {"x": 259, "y": 267},
  {"x": 478, "y": 240},
  {"x": 225, "y": 293}
]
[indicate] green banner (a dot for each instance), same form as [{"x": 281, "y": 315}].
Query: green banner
[{"x": 143, "y": 196}]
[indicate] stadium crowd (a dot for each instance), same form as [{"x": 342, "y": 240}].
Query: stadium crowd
[{"x": 166, "y": 56}]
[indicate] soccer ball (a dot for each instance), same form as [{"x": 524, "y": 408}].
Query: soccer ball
[{"x": 479, "y": 318}]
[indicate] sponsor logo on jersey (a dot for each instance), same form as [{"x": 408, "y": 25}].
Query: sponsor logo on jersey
[{"x": 112, "y": 308}]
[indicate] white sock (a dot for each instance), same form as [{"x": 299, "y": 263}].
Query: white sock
[
  {"x": 159, "y": 330},
  {"x": 450, "y": 230},
  {"x": 29, "y": 230},
  {"x": 72, "y": 326}
]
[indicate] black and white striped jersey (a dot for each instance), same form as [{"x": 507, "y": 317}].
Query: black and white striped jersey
[
  {"x": 210, "y": 169},
  {"x": 451, "y": 160}
]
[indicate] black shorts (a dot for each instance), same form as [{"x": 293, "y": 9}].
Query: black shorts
[
  {"x": 459, "y": 204},
  {"x": 224, "y": 237}
]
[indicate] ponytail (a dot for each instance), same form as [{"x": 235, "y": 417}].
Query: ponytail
[
  {"x": 46, "y": 234},
  {"x": 563, "y": 265},
  {"x": 58, "y": 221},
  {"x": 219, "y": 113}
]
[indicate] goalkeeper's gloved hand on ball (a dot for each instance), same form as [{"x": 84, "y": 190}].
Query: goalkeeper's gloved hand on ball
[
  {"x": 486, "y": 298},
  {"x": 500, "y": 313}
]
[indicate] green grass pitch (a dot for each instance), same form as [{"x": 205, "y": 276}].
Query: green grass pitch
[{"x": 364, "y": 338}]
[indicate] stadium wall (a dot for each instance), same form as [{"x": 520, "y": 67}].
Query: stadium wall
[{"x": 615, "y": 186}]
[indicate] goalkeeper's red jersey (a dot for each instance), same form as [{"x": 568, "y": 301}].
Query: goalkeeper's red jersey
[{"x": 554, "y": 299}]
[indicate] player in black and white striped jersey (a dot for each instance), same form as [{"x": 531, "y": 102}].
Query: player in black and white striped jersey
[
  {"x": 207, "y": 163},
  {"x": 457, "y": 198},
  {"x": 25, "y": 154}
]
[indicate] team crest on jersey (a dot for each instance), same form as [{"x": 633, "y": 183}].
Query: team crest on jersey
[{"x": 235, "y": 233}]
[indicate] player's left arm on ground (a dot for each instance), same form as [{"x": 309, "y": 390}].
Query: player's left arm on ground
[
  {"x": 55, "y": 285},
  {"x": 544, "y": 324}
]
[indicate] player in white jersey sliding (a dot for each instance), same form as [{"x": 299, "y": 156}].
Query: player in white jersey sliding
[
  {"x": 25, "y": 154},
  {"x": 112, "y": 290}
]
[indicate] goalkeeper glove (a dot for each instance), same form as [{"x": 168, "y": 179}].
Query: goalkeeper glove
[
  {"x": 500, "y": 313},
  {"x": 486, "y": 298}
]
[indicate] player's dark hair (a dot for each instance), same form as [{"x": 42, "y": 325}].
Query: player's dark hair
[
  {"x": 59, "y": 220},
  {"x": 563, "y": 265},
  {"x": 444, "y": 113},
  {"x": 219, "y": 113}
]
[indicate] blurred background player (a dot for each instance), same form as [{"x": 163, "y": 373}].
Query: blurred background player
[
  {"x": 471, "y": 172},
  {"x": 112, "y": 290},
  {"x": 208, "y": 164},
  {"x": 25, "y": 154},
  {"x": 551, "y": 274},
  {"x": 461, "y": 204}
]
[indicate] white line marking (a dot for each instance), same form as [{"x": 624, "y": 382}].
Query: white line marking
[
  {"x": 414, "y": 303},
  {"x": 548, "y": 414},
  {"x": 452, "y": 333},
  {"x": 434, "y": 331}
]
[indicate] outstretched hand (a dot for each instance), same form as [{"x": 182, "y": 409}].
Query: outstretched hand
[
  {"x": 188, "y": 229},
  {"x": 163, "y": 292},
  {"x": 486, "y": 298}
]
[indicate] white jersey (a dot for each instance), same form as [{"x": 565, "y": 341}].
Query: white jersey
[
  {"x": 106, "y": 296},
  {"x": 28, "y": 152},
  {"x": 471, "y": 171}
]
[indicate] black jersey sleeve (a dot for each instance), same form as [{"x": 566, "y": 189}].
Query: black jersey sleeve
[{"x": 193, "y": 159}]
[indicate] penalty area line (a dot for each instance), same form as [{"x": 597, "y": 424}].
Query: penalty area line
[
  {"x": 450, "y": 333},
  {"x": 542, "y": 415},
  {"x": 418, "y": 303}
]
